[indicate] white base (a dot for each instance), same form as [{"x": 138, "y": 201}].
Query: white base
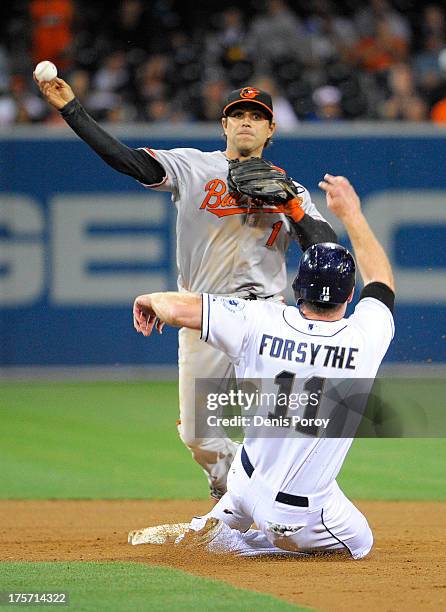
[{"x": 159, "y": 534}]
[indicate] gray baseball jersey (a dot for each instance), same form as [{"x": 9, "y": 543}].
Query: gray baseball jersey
[{"x": 224, "y": 246}]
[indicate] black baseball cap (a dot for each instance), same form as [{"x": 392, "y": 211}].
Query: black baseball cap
[{"x": 251, "y": 95}]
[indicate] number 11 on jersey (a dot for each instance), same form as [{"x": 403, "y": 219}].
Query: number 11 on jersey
[{"x": 313, "y": 387}]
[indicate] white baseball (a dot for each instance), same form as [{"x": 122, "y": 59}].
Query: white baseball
[{"x": 45, "y": 71}]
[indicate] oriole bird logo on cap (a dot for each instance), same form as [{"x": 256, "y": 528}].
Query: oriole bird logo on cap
[{"x": 249, "y": 92}]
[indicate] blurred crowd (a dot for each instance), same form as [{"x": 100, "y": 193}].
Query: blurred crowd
[{"x": 167, "y": 61}]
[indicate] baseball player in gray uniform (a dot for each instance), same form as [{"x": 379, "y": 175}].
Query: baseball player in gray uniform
[
  {"x": 225, "y": 244},
  {"x": 285, "y": 484}
]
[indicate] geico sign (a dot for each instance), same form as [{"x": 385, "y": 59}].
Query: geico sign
[
  {"x": 74, "y": 264},
  {"x": 70, "y": 257}
]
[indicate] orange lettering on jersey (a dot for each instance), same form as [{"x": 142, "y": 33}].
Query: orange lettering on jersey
[
  {"x": 222, "y": 204},
  {"x": 215, "y": 188},
  {"x": 229, "y": 200}
]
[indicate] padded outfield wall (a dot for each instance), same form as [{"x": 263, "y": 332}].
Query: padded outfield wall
[{"x": 78, "y": 240}]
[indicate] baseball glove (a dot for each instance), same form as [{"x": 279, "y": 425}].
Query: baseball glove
[
  {"x": 265, "y": 184},
  {"x": 261, "y": 180}
]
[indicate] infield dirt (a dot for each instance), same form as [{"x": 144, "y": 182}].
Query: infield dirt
[{"x": 404, "y": 571}]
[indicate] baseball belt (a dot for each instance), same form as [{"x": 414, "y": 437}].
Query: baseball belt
[{"x": 283, "y": 498}]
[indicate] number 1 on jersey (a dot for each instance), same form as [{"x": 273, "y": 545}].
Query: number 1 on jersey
[{"x": 274, "y": 233}]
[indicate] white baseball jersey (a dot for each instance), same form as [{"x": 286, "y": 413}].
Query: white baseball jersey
[
  {"x": 267, "y": 341},
  {"x": 223, "y": 245}
]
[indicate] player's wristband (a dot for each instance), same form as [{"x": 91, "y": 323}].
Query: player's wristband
[{"x": 381, "y": 292}]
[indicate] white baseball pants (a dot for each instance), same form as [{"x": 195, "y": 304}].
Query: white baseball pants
[
  {"x": 199, "y": 360},
  {"x": 331, "y": 523}
]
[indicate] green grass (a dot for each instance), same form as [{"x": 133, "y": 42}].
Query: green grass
[
  {"x": 119, "y": 440},
  {"x": 131, "y": 586},
  {"x": 98, "y": 440},
  {"x": 395, "y": 469}
]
